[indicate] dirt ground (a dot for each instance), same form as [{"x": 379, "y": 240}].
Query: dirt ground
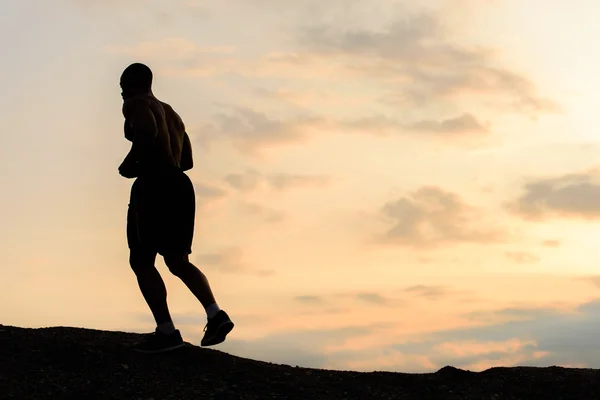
[{"x": 73, "y": 363}]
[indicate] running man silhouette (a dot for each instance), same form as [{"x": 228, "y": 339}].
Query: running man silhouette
[{"x": 160, "y": 217}]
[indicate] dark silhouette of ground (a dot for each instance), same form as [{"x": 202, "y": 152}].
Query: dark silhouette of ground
[{"x": 73, "y": 363}]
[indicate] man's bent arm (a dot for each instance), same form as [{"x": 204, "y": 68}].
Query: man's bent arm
[
  {"x": 187, "y": 161},
  {"x": 129, "y": 167},
  {"x": 144, "y": 129}
]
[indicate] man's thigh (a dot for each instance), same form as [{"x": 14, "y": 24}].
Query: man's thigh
[
  {"x": 145, "y": 215},
  {"x": 143, "y": 226},
  {"x": 141, "y": 258},
  {"x": 176, "y": 218}
]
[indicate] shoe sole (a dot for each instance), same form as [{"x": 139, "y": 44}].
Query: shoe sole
[
  {"x": 220, "y": 336},
  {"x": 166, "y": 349}
]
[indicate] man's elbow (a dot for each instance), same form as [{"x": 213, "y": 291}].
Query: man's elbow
[{"x": 187, "y": 165}]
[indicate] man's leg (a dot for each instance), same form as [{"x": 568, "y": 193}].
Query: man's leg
[
  {"x": 153, "y": 288},
  {"x": 151, "y": 284},
  {"x": 192, "y": 277},
  {"x": 219, "y": 323},
  {"x": 177, "y": 234},
  {"x": 142, "y": 256}
]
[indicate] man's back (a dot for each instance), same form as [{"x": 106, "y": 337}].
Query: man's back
[
  {"x": 176, "y": 132},
  {"x": 171, "y": 145}
]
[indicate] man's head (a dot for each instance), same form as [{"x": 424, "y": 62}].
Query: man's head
[{"x": 136, "y": 79}]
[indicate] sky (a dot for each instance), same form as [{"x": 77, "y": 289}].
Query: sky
[{"x": 380, "y": 185}]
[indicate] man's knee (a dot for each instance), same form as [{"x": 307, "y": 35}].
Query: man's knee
[
  {"x": 141, "y": 260},
  {"x": 177, "y": 263}
]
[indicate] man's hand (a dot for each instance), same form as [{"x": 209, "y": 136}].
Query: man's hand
[
  {"x": 129, "y": 167},
  {"x": 128, "y": 171}
]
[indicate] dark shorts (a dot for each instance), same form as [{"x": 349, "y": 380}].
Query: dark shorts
[{"x": 161, "y": 214}]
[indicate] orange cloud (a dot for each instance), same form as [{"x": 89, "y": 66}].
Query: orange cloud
[
  {"x": 415, "y": 60},
  {"x": 471, "y": 348},
  {"x": 551, "y": 243},
  {"x": 252, "y": 179},
  {"x": 250, "y": 130},
  {"x": 266, "y": 214},
  {"x": 431, "y": 216},
  {"x": 176, "y": 48},
  {"x": 568, "y": 196},
  {"x": 521, "y": 257},
  {"x": 229, "y": 260}
]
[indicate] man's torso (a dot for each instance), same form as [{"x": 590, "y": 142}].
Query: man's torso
[{"x": 166, "y": 151}]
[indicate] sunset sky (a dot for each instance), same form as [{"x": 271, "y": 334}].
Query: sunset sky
[{"x": 380, "y": 185}]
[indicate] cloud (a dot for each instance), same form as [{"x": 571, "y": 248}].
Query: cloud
[
  {"x": 245, "y": 181},
  {"x": 510, "y": 314},
  {"x": 479, "y": 356},
  {"x": 533, "y": 336},
  {"x": 431, "y": 216},
  {"x": 298, "y": 347},
  {"x": 310, "y": 300},
  {"x": 251, "y": 179},
  {"x": 250, "y": 130},
  {"x": 372, "y": 298},
  {"x": 595, "y": 280},
  {"x": 462, "y": 124},
  {"x": 302, "y": 98},
  {"x": 409, "y": 62},
  {"x": 521, "y": 257},
  {"x": 177, "y": 48},
  {"x": 367, "y": 297},
  {"x": 551, "y": 243},
  {"x": 180, "y": 56},
  {"x": 440, "y": 292},
  {"x": 228, "y": 260},
  {"x": 160, "y": 16},
  {"x": 474, "y": 348},
  {"x": 256, "y": 131},
  {"x": 206, "y": 193},
  {"x": 567, "y": 196},
  {"x": 266, "y": 214},
  {"x": 413, "y": 55},
  {"x": 561, "y": 337},
  {"x": 429, "y": 292},
  {"x": 289, "y": 181},
  {"x": 356, "y": 347},
  {"x": 323, "y": 311}
]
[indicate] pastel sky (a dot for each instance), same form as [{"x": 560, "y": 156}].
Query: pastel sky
[{"x": 380, "y": 185}]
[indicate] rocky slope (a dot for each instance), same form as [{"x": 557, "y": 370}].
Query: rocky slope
[{"x": 73, "y": 363}]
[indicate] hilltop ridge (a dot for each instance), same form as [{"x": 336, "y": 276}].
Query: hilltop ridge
[{"x": 77, "y": 363}]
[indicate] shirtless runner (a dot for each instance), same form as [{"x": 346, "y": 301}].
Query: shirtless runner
[{"x": 160, "y": 218}]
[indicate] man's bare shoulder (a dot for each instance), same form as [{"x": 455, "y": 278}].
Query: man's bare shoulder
[
  {"x": 168, "y": 109},
  {"x": 166, "y": 106},
  {"x": 171, "y": 113}
]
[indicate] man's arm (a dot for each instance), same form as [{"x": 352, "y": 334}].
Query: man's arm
[
  {"x": 187, "y": 160},
  {"x": 129, "y": 167},
  {"x": 142, "y": 130}
]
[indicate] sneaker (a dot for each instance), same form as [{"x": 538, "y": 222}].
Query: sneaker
[
  {"x": 217, "y": 329},
  {"x": 159, "y": 343}
]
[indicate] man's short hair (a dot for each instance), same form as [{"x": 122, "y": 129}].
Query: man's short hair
[{"x": 137, "y": 76}]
